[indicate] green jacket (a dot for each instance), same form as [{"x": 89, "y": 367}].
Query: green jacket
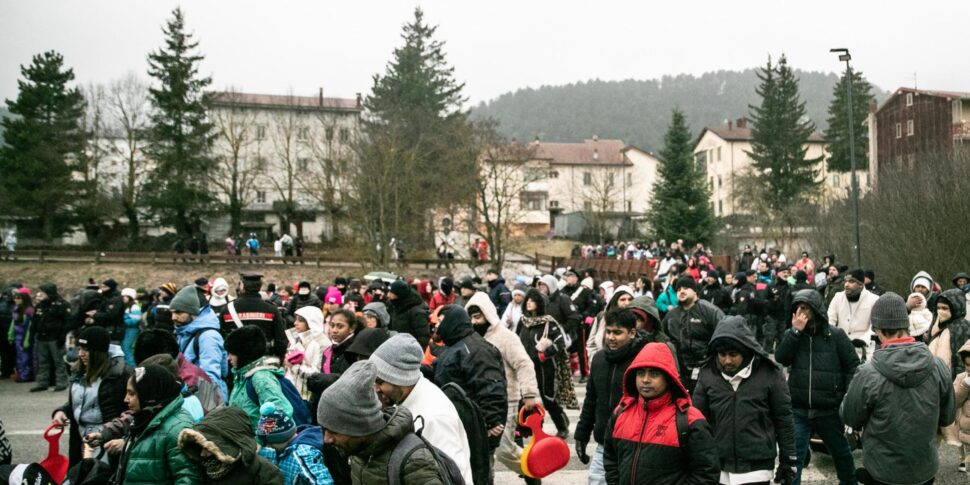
[
  {"x": 154, "y": 456},
  {"x": 369, "y": 467},
  {"x": 225, "y": 433},
  {"x": 263, "y": 372}
]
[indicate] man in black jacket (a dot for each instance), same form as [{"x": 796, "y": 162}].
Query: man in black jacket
[
  {"x": 409, "y": 313},
  {"x": 51, "y": 320},
  {"x": 777, "y": 297},
  {"x": 690, "y": 326},
  {"x": 303, "y": 297},
  {"x": 604, "y": 389},
  {"x": 745, "y": 398},
  {"x": 582, "y": 298},
  {"x": 251, "y": 309},
  {"x": 560, "y": 306},
  {"x": 111, "y": 313},
  {"x": 822, "y": 362},
  {"x": 714, "y": 293},
  {"x": 497, "y": 291}
]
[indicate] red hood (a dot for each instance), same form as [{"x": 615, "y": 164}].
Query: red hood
[{"x": 655, "y": 355}]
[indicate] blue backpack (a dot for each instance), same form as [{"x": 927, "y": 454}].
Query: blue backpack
[{"x": 301, "y": 413}]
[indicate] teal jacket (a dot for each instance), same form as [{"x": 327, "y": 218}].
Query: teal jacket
[
  {"x": 154, "y": 455},
  {"x": 263, "y": 372}
]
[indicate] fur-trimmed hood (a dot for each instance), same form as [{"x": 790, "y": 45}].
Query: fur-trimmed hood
[{"x": 225, "y": 433}]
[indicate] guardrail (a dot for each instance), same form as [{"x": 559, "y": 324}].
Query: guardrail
[{"x": 615, "y": 269}]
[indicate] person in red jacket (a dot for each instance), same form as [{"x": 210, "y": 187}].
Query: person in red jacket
[{"x": 657, "y": 436}]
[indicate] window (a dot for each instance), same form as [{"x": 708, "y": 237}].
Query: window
[
  {"x": 629, "y": 206},
  {"x": 553, "y": 174},
  {"x": 587, "y": 178},
  {"x": 329, "y": 133},
  {"x": 302, "y": 133},
  {"x": 260, "y": 197},
  {"x": 910, "y": 127},
  {"x": 909, "y": 99},
  {"x": 612, "y": 178},
  {"x": 553, "y": 204},
  {"x": 720, "y": 206},
  {"x": 344, "y": 135},
  {"x": 712, "y": 183},
  {"x": 629, "y": 180},
  {"x": 719, "y": 154},
  {"x": 588, "y": 206},
  {"x": 899, "y": 130},
  {"x": 836, "y": 182},
  {"x": 303, "y": 164},
  {"x": 719, "y": 181},
  {"x": 957, "y": 110},
  {"x": 700, "y": 158},
  {"x": 260, "y": 132}
]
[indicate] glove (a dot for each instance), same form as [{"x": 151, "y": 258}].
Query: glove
[
  {"x": 786, "y": 472},
  {"x": 543, "y": 344},
  {"x": 581, "y": 452}
]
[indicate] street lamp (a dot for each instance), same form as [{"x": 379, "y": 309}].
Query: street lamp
[{"x": 844, "y": 56}]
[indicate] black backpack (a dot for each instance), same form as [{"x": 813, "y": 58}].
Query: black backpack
[
  {"x": 473, "y": 421},
  {"x": 450, "y": 473}
]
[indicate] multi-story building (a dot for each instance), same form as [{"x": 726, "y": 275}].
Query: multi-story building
[
  {"x": 723, "y": 155},
  {"x": 914, "y": 123}
]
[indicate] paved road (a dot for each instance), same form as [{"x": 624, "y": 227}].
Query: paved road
[{"x": 25, "y": 415}]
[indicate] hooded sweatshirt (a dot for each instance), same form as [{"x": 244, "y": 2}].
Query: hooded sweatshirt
[
  {"x": 219, "y": 302},
  {"x": 519, "y": 372},
  {"x": 594, "y": 343},
  {"x": 311, "y": 344},
  {"x": 900, "y": 397},
  {"x": 227, "y": 435}
]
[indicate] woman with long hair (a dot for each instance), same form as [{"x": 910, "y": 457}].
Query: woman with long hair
[
  {"x": 97, "y": 392},
  {"x": 20, "y": 336},
  {"x": 543, "y": 341}
]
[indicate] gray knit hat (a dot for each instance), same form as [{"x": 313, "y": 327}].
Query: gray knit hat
[
  {"x": 350, "y": 406},
  {"x": 398, "y": 360},
  {"x": 186, "y": 300},
  {"x": 889, "y": 313}
]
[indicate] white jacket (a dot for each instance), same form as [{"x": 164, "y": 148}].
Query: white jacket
[
  {"x": 520, "y": 372},
  {"x": 442, "y": 425},
  {"x": 853, "y": 320},
  {"x": 920, "y": 318},
  {"x": 312, "y": 343}
]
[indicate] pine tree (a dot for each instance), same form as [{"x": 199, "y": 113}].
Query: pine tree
[
  {"x": 837, "y": 134},
  {"x": 779, "y": 140},
  {"x": 41, "y": 138},
  {"x": 180, "y": 135},
  {"x": 680, "y": 207}
]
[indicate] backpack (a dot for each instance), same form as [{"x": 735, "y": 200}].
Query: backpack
[
  {"x": 194, "y": 338},
  {"x": 473, "y": 421},
  {"x": 450, "y": 473},
  {"x": 301, "y": 413}
]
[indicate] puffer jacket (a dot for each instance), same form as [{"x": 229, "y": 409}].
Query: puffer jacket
[
  {"x": 604, "y": 388},
  {"x": 409, "y": 314},
  {"x": 750, "y": 422},
  {"x": 370, "y": 465},
  {"x": 900, "y": 398},
  {"x": 51, "y": 316},
  {"x": 644, "y": 445},
  {"x": 822, "y": 360},
  {"x": 212, "y": 357},
  {"x": 226, "y": 434},
  {"x": 690, "y": 331},
  {"x": 264, "y": 373},
  {"x": 520, "y": 375},
  {"x": 311, "y": 344},
  {"x": 154, "y": 456},
  {"x": 853, "y": 318},
  {"x": 958, "y": 325},
  {"x": 111, "y": 314},
  {"x": 962, "y": 391}
]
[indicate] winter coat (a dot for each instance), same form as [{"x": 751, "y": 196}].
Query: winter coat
[
  {"x": 748, "y": 422},
  {"x": 644, "y": 445},
  {"x": 690, "y": 331},
  {"x": 439, "y": 299},
  {"x": 299, "y": 301},
  {"x": 833, "y": 287},
  {"x": 531, "y": 330},
  {"x": 855, "y": 322},
  {"x": 207, "y": 392},
  {"x": 264, "y": 373},
  {"x": 111, "y": 389},
  {"x": 594, "y": 342},
  {"x": 900, "y": 398},
  {"x": 582, "y": 297},
  {"x": 822, "y": 360},
  {"x": 717, "y": 296},
  {"x": 499, "y": 294},
  {"x": 667, "y": 300},
  {"x": 339, "y": 361},
  {"x": 253, "y": 310},
  {"x": 312, "y": 344},
  {"x": 302, "y": 462},
  {"x": 777, "y": 298},
  {"x": 604, "y": 388},
  {"x": 409, "y": 314},
  {"x": 442, "y": 426},
  {"x": 154, "y": 456},
  {"x": 474, "y": 365},
  {"x": 227, "y": 435},
  {"x": 520, "y": 375},
  {"x": 370, "y": 465},
  {"x": 958, "y": 326},
  {"x": 111, "y": 315},
  {"x": 920, "y": 317},
  {"x": 212, "y": 356},
  {"x": 962, "y": 391},
  {"x": 51, "y": 316},
  {"x": 562, "y": 308}
]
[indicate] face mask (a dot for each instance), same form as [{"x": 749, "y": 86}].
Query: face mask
[
  {"x": 481, "y": 329},
  {"x": 304, "y": 291}
]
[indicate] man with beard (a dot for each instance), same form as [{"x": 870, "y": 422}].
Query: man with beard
[
  {"x": 714, "y": 293},
  {"x": 850, "y": 308},
  {"x": 690, "y": 327}
]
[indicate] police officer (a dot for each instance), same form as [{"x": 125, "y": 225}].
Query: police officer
[{"x": 251, "y": 309}]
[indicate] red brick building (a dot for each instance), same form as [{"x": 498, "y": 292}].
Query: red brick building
[{"x": 913, "y": 124}]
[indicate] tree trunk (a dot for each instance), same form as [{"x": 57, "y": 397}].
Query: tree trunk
[
  {"x": 235, "y": 217},
  {"x": 133, "y": 225}
]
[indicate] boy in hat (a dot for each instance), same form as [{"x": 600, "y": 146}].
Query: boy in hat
[
  {"x": 297, "y": 453},
  {"x": 199, "y": 340}
]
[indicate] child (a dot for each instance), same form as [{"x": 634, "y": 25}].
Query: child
[
  {"x": 961, "y": 388},
  {"x": 132, "y": 321},
  {"x": 298, "y": 455}
]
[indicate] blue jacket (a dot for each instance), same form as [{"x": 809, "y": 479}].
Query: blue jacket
[
  {"x": 213, "y": 359},
  {"x": 302, "y": 461}
]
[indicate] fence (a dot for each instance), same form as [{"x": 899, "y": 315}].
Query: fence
[{"x": 616, "y": 269}]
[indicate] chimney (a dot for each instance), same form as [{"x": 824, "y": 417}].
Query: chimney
[
  {"x": 730, "y": 125},
  {"x": 596, "y": 137},
  {"x": 596, "y": 154},
  {"x": 321, "y": 96},
  {"x": 742, "y": 122},
  {"x": 360, "y": 101}
]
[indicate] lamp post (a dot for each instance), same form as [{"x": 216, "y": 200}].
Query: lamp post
[{"x": 844, "y": 56}]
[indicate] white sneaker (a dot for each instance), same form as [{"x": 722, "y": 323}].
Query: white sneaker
[{"x": 962, "y": 467}]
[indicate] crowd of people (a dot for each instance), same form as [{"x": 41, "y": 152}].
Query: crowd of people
[{"x": 699, "y": 375}]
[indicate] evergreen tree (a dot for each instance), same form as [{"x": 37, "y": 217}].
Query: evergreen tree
[
  {"x": 180, "y": 135},
  {"x": 680, "y": 207},
  {"x": 837, "y": 134},
  {"x": 41, "y": 138},
  {"x": 779, "y": 141}
]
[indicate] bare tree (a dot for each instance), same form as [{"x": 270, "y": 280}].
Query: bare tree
[
  {"x": 237, "y": 169},
  {"x": 287, "y": 135},
  {"x": 781, "y": 226},
  {"x": 94, "y": 204},
  {"x": 332, "y": 153},
  {"x": 128, "y": 104},
  {"x": 600, "y": 197}
]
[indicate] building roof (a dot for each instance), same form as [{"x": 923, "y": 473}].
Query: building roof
[
  {"x": 286, "y": 101},
  {"x": 925, "y": 92},
  {"x": 744, "y": 134},
  {"x": 589, "y": 152}
]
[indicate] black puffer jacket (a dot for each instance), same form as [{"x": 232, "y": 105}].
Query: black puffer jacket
[
  {"x": 690, "y": 331},
  {"x": 605, "y": 386},
  {"x": 749, "y": 422},
  {"x": 111, "y": 314},
  {"x": 717, "y": 295},
  {"x": 958, "y": 325},
  {"x": 51, "y": 316},
  {"x": 822, "y": 359},
  {"x": 409, "y": 314}
]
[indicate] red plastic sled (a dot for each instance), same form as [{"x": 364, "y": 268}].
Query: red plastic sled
[
  {"x": 544, "y": 454},
  {"x": 55, "y": 463}
]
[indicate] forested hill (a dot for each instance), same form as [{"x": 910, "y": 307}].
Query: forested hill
[{"x": 638, "y": 112}]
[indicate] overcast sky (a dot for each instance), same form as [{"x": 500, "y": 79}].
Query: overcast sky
[{"x": 495, "y": 46}]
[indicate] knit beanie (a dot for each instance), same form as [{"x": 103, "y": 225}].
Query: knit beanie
[
  {"x": 447, "y": 285},
  {"x": 889, "y": 313},
  {"x": 801, "y": 276},
  {"x": 467, "y": 284},
  {"x": 858, "y": 274},
  {"x": 247, "y": 344},
  {"x": 398, "y": 360},
  {"x": 111, "y": 284},
  {"x": 154, "y": 341},
  {"x": 95, "y": 339},
  {"x": 275, "y": 426},
  {"x": 186, "y": 300},
  {"x": 686, "y": 282},
  {"x": 350, "y": 405},
  {"x": 156, "y": 386},
  {"x": 520, "y": 289},
  {"x": 400, "y": 288}
]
